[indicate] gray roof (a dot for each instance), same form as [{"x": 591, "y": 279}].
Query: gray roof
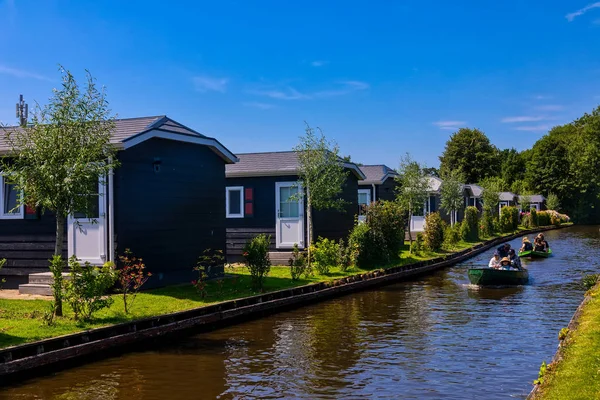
[
  {"x": 273, "y": 164},
  {"x": 534, "y": 198},
  {"x": 475, "y": 189},
  {"x": 376, "y": 174},
  {"x": 130, "y": 131},
  {"x": 507, "y": 196}
]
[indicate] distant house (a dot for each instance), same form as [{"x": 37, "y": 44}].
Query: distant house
[
  {"x": 507, "y": 199},
  {"x": 536, "y": 201},
  {"x": 379, "y": 184},
  {"x": 166, "y": 202},
  {"x": 431, "y": 204},
  {"x": 262, "y": 197},
  {"x": 473, "y": 196}
]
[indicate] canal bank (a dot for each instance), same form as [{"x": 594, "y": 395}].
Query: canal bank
[
  {"x": 54, "y": 352},
  {"x": 574, "y": 370}
]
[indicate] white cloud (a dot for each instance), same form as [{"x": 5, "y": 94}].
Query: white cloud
[
  {"x": 20, "y": 73},
  {"x": 205, "y": 83},
  {"x": 534, "y": 128},
  {"x": 449, "y": 125},
  {"x": 318, "y": 63},
  {"x": 523, "y": 118},
  {"x": 262, "y": 106},
  {"x": 550, "y": 107},
  {"x": 571, "y": 16},
  {"x": 290, "y": 93},
  {"x": 542, "y": 97}
]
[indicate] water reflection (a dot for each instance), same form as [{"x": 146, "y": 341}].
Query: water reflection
[{"x": 435, "y": 337}]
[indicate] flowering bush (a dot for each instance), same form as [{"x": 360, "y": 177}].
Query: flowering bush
[
  {"x": 131, "y": 277},
  {"x": 209, "y": 259}
]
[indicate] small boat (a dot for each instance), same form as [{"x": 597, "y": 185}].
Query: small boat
[
  {"x": 536, "y": 254},
  {"x": 498, "y": 277}
]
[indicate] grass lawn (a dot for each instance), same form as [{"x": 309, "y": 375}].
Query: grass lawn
[
  {"x": 21, "y": 320},
  {"x": 577, "y": 376}
]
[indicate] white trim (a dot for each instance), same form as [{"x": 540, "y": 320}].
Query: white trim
[
  {"x": 180, "y": 137},
  {"x": 362, "y": 218},
  {"x": 286, "y": 172},
  {"x": 300, "y": 218},
  {"x": 111, "y": 215},
  {"x": 21, "y": 209},
  {"x": 233, "y": 189}
]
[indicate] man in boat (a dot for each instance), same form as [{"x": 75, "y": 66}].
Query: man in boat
[
  {"x": 515, "y": 261},
  {"x": 527, "y": 246},
  {"x": 503, "y": 250},
  {"x": 495, "y": 261}
]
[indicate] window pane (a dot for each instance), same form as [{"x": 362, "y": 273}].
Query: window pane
[
  {"x": 92, "y": 207},
  {"x": 288, "y": 204},
  {"x": 362, "y": 198},
  {"x": 235, "y": 197},
  {"x": 10, "y": 199}
]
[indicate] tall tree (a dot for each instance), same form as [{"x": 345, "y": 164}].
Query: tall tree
[
  {"x": 491, "y": 194},
  {"x": 452, "y": 194},
  {"x": 57, "y": 161},
  {"x": 414, "y": 188},
  {"x": 513, "y": 166},
  {"x": 321, "y": 172},
  {"x": 470, "y": 152}
]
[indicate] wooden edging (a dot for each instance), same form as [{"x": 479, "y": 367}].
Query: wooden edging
[
  {"x": 22, "y": 361},
  {"x": 572, "y": 327}
]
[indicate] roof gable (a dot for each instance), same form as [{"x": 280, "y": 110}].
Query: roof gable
[{"x": 376, "y": 174}]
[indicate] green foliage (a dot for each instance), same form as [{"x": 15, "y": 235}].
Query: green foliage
[
  {"x": 590, "y": 280},
  {"x": 434, "y": 232},
  {"x": 487, "y": 228},
  {"x": 57, "y": 160},
  {"x": 470, "y": 152},
  {"x": 57, "y": 266},
  {"x": 543, "y": 218},
  {"x": 344, "y": 256},
  {"x": 469, "y": 230},
  {"x": 533, "y": 216},
  {"x": 541, "y": 373},
  {"x": 131, "y": 277},
  {"x": 491, "y": 194},
  {"x": 386, "y": 220},
  {"x": 364, "y": 251},
  {"x": 562, "y": 335},
  {"x": 2, "y": 263},
  {"x": 86, "y": 290},
  {"x": 206, "y": 262},
  {"x": 256, "y": 253},
  {"x": 552, "y": 202},
  {"x": 325, "y": 253},
  {"x": 451, "y": 193},
  {"x": 520, "y": 186},
  {"x": 513, "y": 166},
  {"x": 418, "y": 245},
  {"x": 525, "y": 202},
  {"x": 452, "y": 236},
  {"x": 509, "y": 219},
  {"x": 299, "y": 264}
]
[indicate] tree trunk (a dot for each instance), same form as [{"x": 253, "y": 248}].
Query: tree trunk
[{"x": 58, "y": 251}]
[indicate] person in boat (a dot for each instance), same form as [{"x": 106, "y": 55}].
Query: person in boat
[
  {"x": 515, "y": 261},
  {"x": 495, "y": 261},
  {"x": 538, "y": 245},
  {"x": 543, "y": 241},
  {"x": 527, "y": 246},
  {"x": 505, "y": 263},
  {"x": 503, "y": 250}
]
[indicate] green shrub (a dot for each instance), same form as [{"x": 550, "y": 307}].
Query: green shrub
[
  {"x": 86, "y": 290},
  {"x": 325, "y": 255},
  {"x": 514, "y": 216},
  {"x": 533, "y": 218},
  {"x": 387, "y": 220},
  {"x": 57, "y": 266},
  {"x": 344, "y": 256},
  {"x": 506, "y": 222},
  {"x": 451, "y": 235},
  {"x": 486, "y": 227},
  {"x": 434, "y": 231},
  {"x": 541, "y": 373},
  {"x": 589, "y": 281},
  {"x": 362, "y": 249},
  {"x": 418, "y": 245},
  {"x": 256, "y": 253},
  {"x": 469, "y": 229},
  {"x": 543, "y": 218},
  {"x": 299, "y": 264},
  {"x": 2, "y": 263},
  {"x": 562, "y": 335}
]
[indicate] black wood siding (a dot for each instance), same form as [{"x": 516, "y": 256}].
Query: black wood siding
[
  {"x": 387, "y": 190},
  {"x": 170, "y": 217},
  {"x": 331, "y": 224}
]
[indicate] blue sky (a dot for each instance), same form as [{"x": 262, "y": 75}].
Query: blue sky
[{"x": 381, "y": 79}]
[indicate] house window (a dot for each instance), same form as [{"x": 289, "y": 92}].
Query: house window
[
  {"x": 10, "y": 198},
  {"x": 234, "y": 202},
  {"x": 364, "y": 199}
]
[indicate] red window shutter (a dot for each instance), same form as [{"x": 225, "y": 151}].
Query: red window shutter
[{"x": 248, "y": 202}]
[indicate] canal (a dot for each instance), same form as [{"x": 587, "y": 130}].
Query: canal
[{"x": 434, "y": 337}]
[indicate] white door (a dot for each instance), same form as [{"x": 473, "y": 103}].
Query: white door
[
  {"x": 364, "y": 199},
  {"x": 289, "y": 215},
  {"x": 86, "y": 235}
]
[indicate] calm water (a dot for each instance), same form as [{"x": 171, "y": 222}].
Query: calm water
[{"x": 436, "y": 337}]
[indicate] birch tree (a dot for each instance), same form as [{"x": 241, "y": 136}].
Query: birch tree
[
  {"x": 414, "y": 188},
  {"x": 452, "y": 198}
]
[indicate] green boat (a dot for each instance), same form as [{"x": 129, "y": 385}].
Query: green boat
[
  {"x": 536, "y": 254},
  {"x": 498, "y": 277}
]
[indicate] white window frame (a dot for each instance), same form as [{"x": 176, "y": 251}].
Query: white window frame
[
  {"x": 362, "y": 218},
  {"x": 231, "y": 189},
  {"x": 3, "y": 215}
]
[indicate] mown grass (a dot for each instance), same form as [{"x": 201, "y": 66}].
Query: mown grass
[
  {"x": 21, "y": 320},
  {"x": 577, "y": 375}
]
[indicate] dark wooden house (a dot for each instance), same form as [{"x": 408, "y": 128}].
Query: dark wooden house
[
  {"x": 260, "y": 198},
  {"x": 166, "y": 202},
  {"x": 379, "y": 184}
]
